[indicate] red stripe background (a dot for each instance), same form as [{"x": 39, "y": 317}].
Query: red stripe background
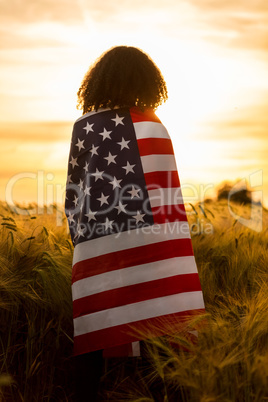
[
  {"x": 163, "y": 179},
  {"x": 155, "y": 146}
]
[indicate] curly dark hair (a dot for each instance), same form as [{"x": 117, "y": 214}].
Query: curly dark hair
[{"x": 123, "y": 76}]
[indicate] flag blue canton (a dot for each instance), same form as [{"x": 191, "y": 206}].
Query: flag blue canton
[{"x": 106, "y": 191}]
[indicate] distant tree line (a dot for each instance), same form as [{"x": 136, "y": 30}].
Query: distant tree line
[{"x": 241, "y": 194}]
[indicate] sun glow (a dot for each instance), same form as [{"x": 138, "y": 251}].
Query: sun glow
[{"x": 214, "y": 60}]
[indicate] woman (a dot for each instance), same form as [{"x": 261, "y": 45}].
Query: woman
[{"x": 133, "y": 263}]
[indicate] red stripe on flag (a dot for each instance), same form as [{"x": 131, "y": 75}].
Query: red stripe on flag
[
  {"x": 126, "y": 333},
  {"x": 163, "y": 179},
  {"x": 155, "y": 146},
  {"x": 148, "y": 115},
  {"x": 131, "y": 257},
  {"x": 118, "y": 351},
  {"x": 169, "y": 213},
  {"x": 136, "y": 293}
]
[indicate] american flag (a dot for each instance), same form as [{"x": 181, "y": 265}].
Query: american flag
[{"x": 133, "y": 261}]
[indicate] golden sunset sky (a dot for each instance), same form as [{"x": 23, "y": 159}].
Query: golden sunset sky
[{"x": 212, "y": 53}]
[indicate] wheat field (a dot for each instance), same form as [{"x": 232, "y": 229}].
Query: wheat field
[{"x": 227, "y": 362}]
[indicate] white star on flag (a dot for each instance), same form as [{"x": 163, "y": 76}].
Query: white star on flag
[
  {"x": 110, "y": 158},
  {"x": 118, "y": 120},
  {"x": 73, "y": 162},
  {"x": 86, "y": 167},
  {"x": 139, "y": 217},
  {"x": 80, "y": 144},
  {"x": 69, "y": 180},
  {"x": 115, "y": 183},
  {"x": 80, "y": 232},
  {"x": 94, "y": 150},
  {"x": 80, "y": 185},
  {"x": 98, "y": 174},
  {"x": 75, "y": 201},
  {"x": 105, "y": 134},
  {"x": 128, "y": 167},
  {"x": 88, "y": 127},
  {"x": 123, "y": 144},
  {"x": 71, "y": 217},
  {"x": 87, "y": 190},
  {"x": 121, "y": 208},
  {"x": 91, "y": 215},
  {"x": 103, "y": 199},
  {"x": 134, "y": 192},
  {"x": 108, "y": 224}
]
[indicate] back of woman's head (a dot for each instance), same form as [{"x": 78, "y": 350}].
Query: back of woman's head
[{"x": 122, "y": 76}]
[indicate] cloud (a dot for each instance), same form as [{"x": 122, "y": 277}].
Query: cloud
[
  {"x": 230, "y": 5},
  {"x": 46, "y": 23},
  {"x": 239, "y": 32},
  {"x": 28, "y": 11},
  {"x": 14, "y": 40},
  {"x": 71, "y": 12},
  {"x": 248, "y": 123},
  {"x": 34, "y": 132},
  {"x": 240, "y": 24}
]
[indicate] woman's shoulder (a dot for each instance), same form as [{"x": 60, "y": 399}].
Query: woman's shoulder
[{"x": 92, "y": 113}]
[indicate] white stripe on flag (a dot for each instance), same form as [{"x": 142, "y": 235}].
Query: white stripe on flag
[
  {"x": 100, "y": 110},
  {"x": 130, "y": 239},
  {"x": 133, "y": 275},
  {"x": 165, "y": 196},
  {"x": 158, "y": 163},
  {"x": 150, "y": 129},
  {"x": 86, "y": 115},
  {"x": 138, "y": 311}
]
